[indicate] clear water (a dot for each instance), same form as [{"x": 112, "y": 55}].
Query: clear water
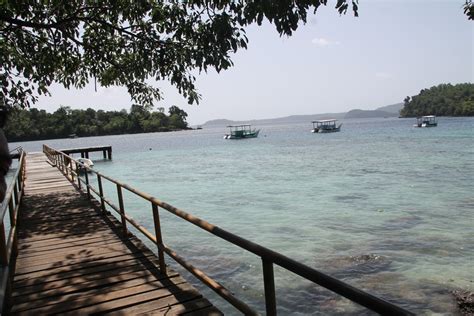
[{"x": 382, "y": 205}]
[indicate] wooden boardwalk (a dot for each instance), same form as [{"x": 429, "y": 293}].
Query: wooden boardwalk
[{"x": 72, "y": 259}]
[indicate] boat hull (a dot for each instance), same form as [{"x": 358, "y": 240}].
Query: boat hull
[
  {"x": 426, "y": 125},
  {"x": 327, "y": 130}
]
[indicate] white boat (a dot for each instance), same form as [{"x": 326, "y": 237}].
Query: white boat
[
  {"x": 426, "y": 121},
  {"x": 241, "y": 131},
  {"x": 86, "y": 162},
  {"x": 326, "y": 126}
]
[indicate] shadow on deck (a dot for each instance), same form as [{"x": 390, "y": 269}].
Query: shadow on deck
[{"x": 74, "y": 259}]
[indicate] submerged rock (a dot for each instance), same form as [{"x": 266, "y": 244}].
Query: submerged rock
[
  {"x": 465, "y": 301},
  {"x": 351, "y": 266}
]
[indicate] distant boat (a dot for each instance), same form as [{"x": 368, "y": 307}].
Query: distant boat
[
  {"x": 326, "y": 126},
  {"x": 72, "y": 136},
  {"x": 241, "y": 131},
  {"x": 199, "y": 127},
  {"x": 426, "y": 121}
]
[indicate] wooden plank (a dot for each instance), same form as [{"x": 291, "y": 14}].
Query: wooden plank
[
  {"x": 97, "y": 266},
  {"x": 68, "y": 250},
  {"x": 27, "y": 238},
  {"x": 112, "y": 273},
  {"x": 115, "y": 300},
  {"x": 199, "y": 306},
  {"x": 96, "y": 288},
  {"x": 42, "y": 246},
  {"x": 164, "y": 305},
  {"x": 38, "y": 273},
  {"x": 70, "y": 259}
]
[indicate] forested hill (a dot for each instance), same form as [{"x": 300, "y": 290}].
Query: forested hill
[
  {"x": 34, "y": 124},
  {"x": 441, "y": 100}
]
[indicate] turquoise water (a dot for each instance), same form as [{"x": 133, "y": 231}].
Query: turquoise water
[{"x": 382, "y": 205}]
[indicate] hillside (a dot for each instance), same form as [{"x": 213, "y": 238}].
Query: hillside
[
  {"x": 368, "y": 114},
  {"x": 444, "y": 99},
  {"x": 280, "y": 120},
  {"x": 392, "y": 108}
]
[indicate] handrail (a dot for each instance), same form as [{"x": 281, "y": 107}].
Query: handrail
[
  {"x": 268, "y": 256},
  {"x": 8, "y": 244}
]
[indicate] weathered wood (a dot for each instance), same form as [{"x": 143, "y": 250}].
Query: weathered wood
[
  {"x": 199, "y": 306},
  {"x": 73, "y": 258},
  {"x": 82, "y": 277},
  {"x": 94, "y": 287},
  {"x": 37, "y": 274},
  {"x": 159, "y": 239}
]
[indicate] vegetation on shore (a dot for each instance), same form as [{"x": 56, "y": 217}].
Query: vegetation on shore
[
  {"x": 34, "y": 124},
  {"x": 441, "y": 100}
]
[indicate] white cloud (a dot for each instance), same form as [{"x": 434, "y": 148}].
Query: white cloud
[
  {"x": 383, "y": 75},
  {"x": 324, "y": 42}
]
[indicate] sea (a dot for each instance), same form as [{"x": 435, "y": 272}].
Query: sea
[{"x": 383, "y": 206}]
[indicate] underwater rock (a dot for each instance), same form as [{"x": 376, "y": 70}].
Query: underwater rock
[
  {"x": 351, "y": 266},
  {"x": 405, "y": 222},
  {"x": 349, "y": 198},
  {"x": 465, "y": 300}
]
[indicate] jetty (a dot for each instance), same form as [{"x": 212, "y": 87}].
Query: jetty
[
  {"x": 66, "y": 247},
  {"x": 72, "y": 258},
  {"x": 84, "y": 151}
]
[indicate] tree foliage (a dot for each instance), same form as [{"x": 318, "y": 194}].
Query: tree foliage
[
  {"x": 469, "y": 9},
  {"x": 126, "y": 43},
  {"x": 34, "y": 124},
  {"x": 444, "y": 99}
]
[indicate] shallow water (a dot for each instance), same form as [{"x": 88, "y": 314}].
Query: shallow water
[{"x": 382, "y": 205}]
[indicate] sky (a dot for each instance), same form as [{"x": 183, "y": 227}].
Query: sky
[{"x": 331, "y": 64}]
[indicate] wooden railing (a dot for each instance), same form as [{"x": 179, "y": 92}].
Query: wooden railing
[
  {"x": 8, "y": 242},
  {"x": 70, "y": 167}
]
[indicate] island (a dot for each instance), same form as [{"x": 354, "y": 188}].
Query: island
[{"x": 441, "y": 100}]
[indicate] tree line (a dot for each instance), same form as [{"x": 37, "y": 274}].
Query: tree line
[
  {"x": 441, "y": 100},
  {"x": 34, "y": 124}
]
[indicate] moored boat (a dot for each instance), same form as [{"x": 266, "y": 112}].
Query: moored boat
[
  {"x": 326, "y": 126},
  {"x": 86, "y": 164},
  {"x": 426, "y": 121},
  {"x": 241, "y": 131}
]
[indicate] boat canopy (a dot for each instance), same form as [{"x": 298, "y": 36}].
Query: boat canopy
[
  {"x": 324, "y": 121},
  {"x": 243, "y": 127}
]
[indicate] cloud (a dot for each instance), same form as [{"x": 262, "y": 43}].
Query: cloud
[
  {"x": 383, "y": 75},
  {"x": 324, "y": 42}
]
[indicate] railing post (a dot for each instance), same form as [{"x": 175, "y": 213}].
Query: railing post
[
  {"x": 72, "y": 170},
  {"x": 11, "y": 209},
  {"x": 78, "y": 176},
  {"x": 3, "y": 246},
  {"x": 269, "y": 287},
  {"x": 122, "y": 210},
  {"x": 159, "y": 238},
  {"x": 101, "y": 192},
  {"x": 87, "y": 184},
  {"x": 16, "y": 191},
  {"x": 65, "y": 160},
  {"x": 19, "y": 179}
]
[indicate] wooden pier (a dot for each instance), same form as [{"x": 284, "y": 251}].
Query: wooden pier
[
  {"x": 106, "y": 151},
  {"x": 73, "y": 258}
]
